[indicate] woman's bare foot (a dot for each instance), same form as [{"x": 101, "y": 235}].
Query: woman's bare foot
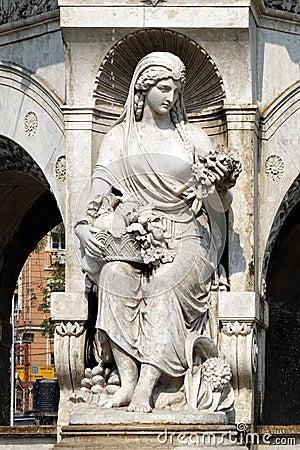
[
  {"x": 121, "y": 398},
  {"x": 140, "y": 403},
  {"x": 128, "y": 371},
  {"x": 143, "y": 392}
]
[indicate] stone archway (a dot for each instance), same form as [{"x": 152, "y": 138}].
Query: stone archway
[
  {"x": 32, "y": 188},
  {"x": 28, "y": 211},
  {"x": 282, "y": 291}
]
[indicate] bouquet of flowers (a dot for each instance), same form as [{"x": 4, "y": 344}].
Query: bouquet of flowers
[{"x": 216, "y": 172}]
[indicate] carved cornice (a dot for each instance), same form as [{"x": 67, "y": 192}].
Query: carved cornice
[
  {"x": 14, "y": 10},
  {"x": 292, "y": 6}
]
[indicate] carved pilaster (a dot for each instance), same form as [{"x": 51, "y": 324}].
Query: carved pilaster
[
  {"x": 69, "y": 313},
  {"x": 242, "y": 125},
  {"x": 241, "y": 340},
  {"x": 69, "y": 352}
]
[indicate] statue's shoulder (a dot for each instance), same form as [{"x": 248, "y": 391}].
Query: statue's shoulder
[
  {"x": 112, "y": 144},
  {"x": 115, "y": 134},
  {"x": 199, "y": 139}
]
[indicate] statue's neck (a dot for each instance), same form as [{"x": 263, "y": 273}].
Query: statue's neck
[{"x": 155, "y": 120}]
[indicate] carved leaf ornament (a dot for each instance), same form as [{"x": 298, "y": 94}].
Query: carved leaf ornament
[
  {"x": 236, "y": 329},
  {"x": 14, "y": 158},
  {"x": 30, "y": 123},
  {"x": 292, "y": 6},
  {"x": 69, "y": 329},
  {"x": 60, "y": 168},
  {"x": 12, "y": 11},
  {"x": 274, "y": 167}
]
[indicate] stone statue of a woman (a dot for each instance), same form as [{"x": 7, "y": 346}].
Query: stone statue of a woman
[{"x": 147, "y": 239}]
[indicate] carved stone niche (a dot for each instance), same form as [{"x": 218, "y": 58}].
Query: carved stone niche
[{"x": 204, "y": 92}]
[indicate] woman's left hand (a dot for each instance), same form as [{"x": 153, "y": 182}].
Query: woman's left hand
[{"x": 225, "y": 173}]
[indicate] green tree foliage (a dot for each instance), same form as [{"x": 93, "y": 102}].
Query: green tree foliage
[{"x": 55, "y": 283}]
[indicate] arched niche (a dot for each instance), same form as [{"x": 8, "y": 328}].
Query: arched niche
[
  {"x": 28, "y": 210},
  {"x": 282, "y": 292},
  {"x": 204, "y": 92}
]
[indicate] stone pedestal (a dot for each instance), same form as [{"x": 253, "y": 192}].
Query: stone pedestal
[{"x": 134, "y": 436}]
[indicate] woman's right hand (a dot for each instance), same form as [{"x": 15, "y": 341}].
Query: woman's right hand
[{"x": 88, "y": 242}]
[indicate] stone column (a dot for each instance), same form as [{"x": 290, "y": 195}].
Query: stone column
[
  {"x": 241, "y": 128},
  {"x": 243, "y": 317},
  {"x": 70, "y": 309}
]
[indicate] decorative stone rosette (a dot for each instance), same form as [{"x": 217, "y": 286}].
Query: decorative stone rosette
[
  {"x": 274, "y": 167},
  {"x": 30, "y": 123},
  {"x": 60, "y": 168}
]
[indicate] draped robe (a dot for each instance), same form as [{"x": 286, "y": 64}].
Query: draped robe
[{"x": 150, "y": 313}]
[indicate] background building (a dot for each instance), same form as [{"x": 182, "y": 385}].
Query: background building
[{"x": 33, "y": 331}]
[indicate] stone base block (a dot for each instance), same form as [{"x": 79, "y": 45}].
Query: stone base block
[
  {"x": 149, "y": 436},
  {"x": 84, "y": 414}
]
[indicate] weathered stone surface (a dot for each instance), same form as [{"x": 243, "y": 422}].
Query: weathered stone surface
[
  {"x": 290, "y": 6},
  {"x": 89, "y": 415}
]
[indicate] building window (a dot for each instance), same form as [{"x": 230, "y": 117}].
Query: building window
[{"x": 57, "y": 238}]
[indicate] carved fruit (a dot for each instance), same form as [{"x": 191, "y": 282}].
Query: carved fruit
[
  {"x": 86, "y": 382},
  {"x": 99, "y": 380},
  {"x": 97, "y": 370}
]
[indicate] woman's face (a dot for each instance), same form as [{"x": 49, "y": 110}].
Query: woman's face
[{"x": 162, "y": 96}]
